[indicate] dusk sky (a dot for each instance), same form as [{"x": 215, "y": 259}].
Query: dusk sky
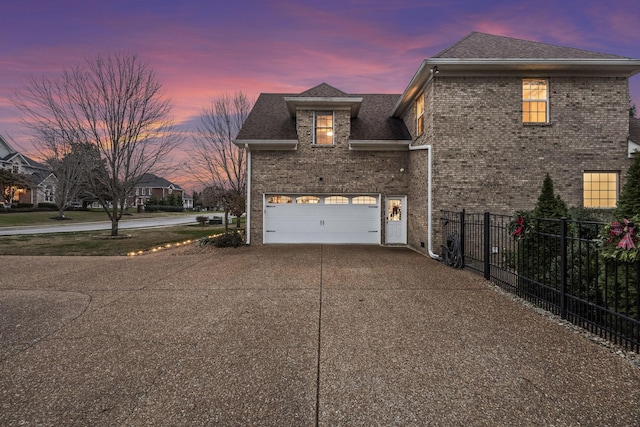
[{"x": 201, "y": 49}]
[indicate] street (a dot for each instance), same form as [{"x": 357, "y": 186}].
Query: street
[{"x": 66, "y": 227}]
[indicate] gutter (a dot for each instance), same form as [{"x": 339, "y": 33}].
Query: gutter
[
  {"x": 429, "y": 198},
  {"x": 248, "y": 224}
]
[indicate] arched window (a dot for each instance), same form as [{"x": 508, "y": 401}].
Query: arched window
[
  {"x": 279, "y": 199},
  {"x": 308, "y": 200},
  {"x": 364, "y": 200},
  {"x": 336, "y": 200}
]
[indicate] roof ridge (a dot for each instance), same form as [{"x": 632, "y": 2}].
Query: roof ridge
[
  {"x": 484, "y": 45},
  {"x": 437, "y": 55}
]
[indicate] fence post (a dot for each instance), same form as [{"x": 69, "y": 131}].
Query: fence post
[
  {"x": 487, "y": 246},
  {"x": 462, "y": 231},
  {"x": 563, "y": 268}
]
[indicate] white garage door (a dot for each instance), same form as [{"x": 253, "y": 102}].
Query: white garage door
[{"x": 321, "y": 219}]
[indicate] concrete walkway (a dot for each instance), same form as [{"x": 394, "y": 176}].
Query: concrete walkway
[{"x": 290, "y": 336}]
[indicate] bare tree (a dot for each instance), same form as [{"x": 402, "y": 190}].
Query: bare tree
[
  {"x": 220, "y": 164},
  {"x": 114, "y": 104},
  {"x": 67, "y": 160}
]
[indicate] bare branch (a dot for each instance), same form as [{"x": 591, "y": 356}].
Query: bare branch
[{"x": 113, "y": 103}]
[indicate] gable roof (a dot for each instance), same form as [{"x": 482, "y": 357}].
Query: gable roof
[
  {"x": 154, "y": 181},
  {"x": 482, "y": 45},
  {"x": 323, "y": 90},
  {"x": 480, "y": 54},
  {"x": 271, "y": 118}
]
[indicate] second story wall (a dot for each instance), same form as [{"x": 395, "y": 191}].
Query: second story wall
[{"x": 486, "y": 158}]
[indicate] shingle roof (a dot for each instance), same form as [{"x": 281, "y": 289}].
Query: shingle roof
[
  {"x": 270, "y": 120},
  {"x": 481, "y": 45},
  {"x": 151, "y": 180},
  {"x": 323, "y": 90}
]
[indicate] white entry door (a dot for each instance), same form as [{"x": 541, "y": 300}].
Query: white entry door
[{"x": 396, "y": 220}]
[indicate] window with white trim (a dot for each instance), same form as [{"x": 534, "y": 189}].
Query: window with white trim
[
  {"x": 364, "y": 200},
  {"x": 600, "y": 189},
  {"x": 308, "y": 200},
  {"x": 420, "y": 114},
  {"x": 336, "y": 200},
  {"x": 323, "y": 128},
  {"x": 279, "y": 199},
  {"x": 535, "y": 101}
]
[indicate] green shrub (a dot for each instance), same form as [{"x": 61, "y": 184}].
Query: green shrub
[
  {"x": 202, "y": 219},
  {"x": 22, "y": 205},
  {"x": 226, "y": 240},
  {"x": 47, "y": 206}
]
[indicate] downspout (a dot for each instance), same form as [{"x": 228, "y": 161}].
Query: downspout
[
  {"x": 247, "y": 225},
  {"x": 429, "y": 198}
]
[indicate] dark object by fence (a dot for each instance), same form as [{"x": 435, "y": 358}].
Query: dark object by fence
[{"x": 452, "y": 252}]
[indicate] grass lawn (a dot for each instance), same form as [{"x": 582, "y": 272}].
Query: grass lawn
[{"x": 87, "y": 244}]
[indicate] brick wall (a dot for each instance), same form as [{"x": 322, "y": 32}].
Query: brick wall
[
  {"x": 486, "y": 159},
  {"x": 342, "y": 170}
]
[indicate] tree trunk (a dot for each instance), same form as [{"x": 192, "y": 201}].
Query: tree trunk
[
  {"x": 226, "y": 221},
  {"x": 60, "y": 212},
  {"x": 114, "y": 226}
]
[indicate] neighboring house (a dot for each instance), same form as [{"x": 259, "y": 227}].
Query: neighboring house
[
  {"x": 43, "y": 184},
  {"x": 477, "y": 128},
  {"x": 154, "y": 186},
  {"x": 187, "y": 201}
]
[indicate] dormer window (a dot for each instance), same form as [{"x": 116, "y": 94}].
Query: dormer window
[{"x": 323, "y": 128}]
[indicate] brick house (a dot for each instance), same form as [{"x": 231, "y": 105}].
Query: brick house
[
  {"x": 478, "y": 127},
  {"x": 151, "y": 185}
]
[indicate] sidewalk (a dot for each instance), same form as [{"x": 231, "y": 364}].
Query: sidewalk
[{"x": 290, "y": 336}]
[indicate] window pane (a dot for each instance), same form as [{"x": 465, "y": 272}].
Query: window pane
[
  {"x": 323, "y": 128},
  {"x": 307, "y": 199},
  {"x": 534, "y": 100},
  {"x": 600, "y": 189},
  {"x": 336, "y": 200},
  {"x": 279, "y": 199},
  {"x": 364, "y": 200},
  {"x": 420, "y": 114}
]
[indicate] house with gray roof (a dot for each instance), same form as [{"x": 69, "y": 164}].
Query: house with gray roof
[
  {"x": 152, "y": 186},
  {"x": 477, "y": 128},
  {"x": 43, "y": 182}
]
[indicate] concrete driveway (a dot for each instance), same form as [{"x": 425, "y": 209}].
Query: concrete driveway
[{"x": 290, "y": 336}]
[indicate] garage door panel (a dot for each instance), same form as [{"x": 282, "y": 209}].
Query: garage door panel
[{"x": 320, "y": 223}]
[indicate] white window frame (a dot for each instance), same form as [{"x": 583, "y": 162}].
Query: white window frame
[
  {"x": 315, "y": 127},
  {"x": 544, "y": 100},
  {"x": 420, "y": 114}
]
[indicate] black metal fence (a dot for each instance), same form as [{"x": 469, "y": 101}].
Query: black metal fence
[{"x": 559, "y": 268}]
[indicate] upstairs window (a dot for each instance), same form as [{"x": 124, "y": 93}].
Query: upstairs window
[
  {"x": 535, "y": 101},
  {"x": 600, "y": 189},
  {"x": 323, "y": 128},
  {"x": 420, "y": 114}
]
